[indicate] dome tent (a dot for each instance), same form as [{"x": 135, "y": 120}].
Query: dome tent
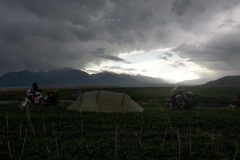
[{"x": 104, "y": 101}]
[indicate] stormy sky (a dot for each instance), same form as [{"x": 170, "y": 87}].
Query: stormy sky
[{"x": 172, "y": 39}]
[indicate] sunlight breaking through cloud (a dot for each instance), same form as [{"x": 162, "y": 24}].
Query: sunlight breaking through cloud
[{"x": 150, "y": 63}]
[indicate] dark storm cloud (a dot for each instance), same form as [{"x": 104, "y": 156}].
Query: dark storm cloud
[
  {"x": 168, "y": 54},
  {"x": 50, "y": 34},
  {"x": 163, "y": 58},
  {"x": 120, "y": 68},
  {"x": 180, "y": 7},
  {"x": 100, "y": 53},
  {"x": 178, "y": 64},
  {"x": 221, "y": 52}
]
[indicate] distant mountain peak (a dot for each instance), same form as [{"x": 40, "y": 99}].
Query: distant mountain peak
[
  {"x": 227, "y": 81},
  {"x": 75, "y": 77}
]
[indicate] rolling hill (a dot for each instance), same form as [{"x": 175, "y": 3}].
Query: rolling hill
[{"x": 227, "y": 81}]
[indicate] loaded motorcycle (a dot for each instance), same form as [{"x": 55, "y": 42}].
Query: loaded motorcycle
[{"x": 37, "y": 98}]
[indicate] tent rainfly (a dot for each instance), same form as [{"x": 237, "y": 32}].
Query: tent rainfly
[{"x": 104, "y": 101}]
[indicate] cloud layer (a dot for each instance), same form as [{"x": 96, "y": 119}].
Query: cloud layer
[{"x": 42, "y": 35}]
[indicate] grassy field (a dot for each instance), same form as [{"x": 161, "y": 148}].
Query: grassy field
[{"x": 212, "y": 131}]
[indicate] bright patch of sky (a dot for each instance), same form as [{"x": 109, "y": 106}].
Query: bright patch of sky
[{"x": 159, "y": 63}]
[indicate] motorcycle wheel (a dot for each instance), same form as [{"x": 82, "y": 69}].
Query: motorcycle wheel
[
  {"x": 24, "y": 107},
  {"x": 168, "y": 105}
]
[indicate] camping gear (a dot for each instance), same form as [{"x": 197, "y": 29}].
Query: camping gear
[{"x": 104, "y": 101}]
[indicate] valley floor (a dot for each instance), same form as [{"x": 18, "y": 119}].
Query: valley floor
[{"x": 209, "y": 132}]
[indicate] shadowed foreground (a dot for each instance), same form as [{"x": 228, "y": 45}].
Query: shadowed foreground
[{"x": 54, "y": 133}]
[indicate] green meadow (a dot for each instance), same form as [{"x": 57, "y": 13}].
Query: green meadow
[{"x": 209, "y": 131}]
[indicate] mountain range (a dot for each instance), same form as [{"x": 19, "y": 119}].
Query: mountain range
[
  {"x": 227, "y": 81},
  {"x": 74, "y": 77}
]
